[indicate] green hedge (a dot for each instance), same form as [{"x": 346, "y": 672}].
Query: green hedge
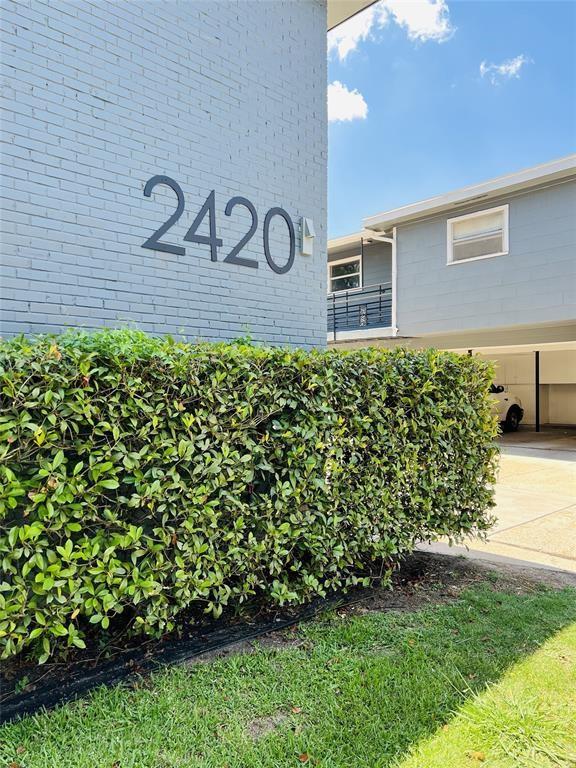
[{"x": 141, "y": 475}]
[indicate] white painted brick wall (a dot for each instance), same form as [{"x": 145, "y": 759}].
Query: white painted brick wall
[{"x": 98, "y": 97}]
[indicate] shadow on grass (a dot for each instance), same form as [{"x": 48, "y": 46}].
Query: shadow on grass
[
  {"x": 525, "y": 720},
  {"x": 357, "y": 691}
]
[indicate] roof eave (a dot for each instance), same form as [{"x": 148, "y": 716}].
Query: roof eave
[
  {"x": 530, "y": 177},
  {"x": 341, "y": 10}
]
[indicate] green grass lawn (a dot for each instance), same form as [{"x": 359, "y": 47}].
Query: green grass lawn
[
  {"x": 434, "y": 688},
  {"x": 527, "y": 719}
]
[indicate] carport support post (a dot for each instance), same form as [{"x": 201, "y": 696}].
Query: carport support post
[{"x": 537, "y": 389}]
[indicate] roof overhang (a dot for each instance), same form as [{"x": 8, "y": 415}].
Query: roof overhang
[
  {"x": 342, "y": 243},
  {"x": 523, "y": 349},
  {"x": 340, "y": 10},
  {"x": 337, "y": 244},
  {"x": 539, "y": 175},
  {"x": 515, "y": 340}
]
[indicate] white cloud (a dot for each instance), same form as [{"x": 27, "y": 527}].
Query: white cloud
[
  {"x": 344, "y": 104},
  {"x": 510, "y": 68},
  {"x": 346, "y": 37},
  {"x": 422, "y": 19}
]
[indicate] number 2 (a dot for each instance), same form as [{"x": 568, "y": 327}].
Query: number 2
[
  {"x": 153, "y": 242},
  {"x": 232, "y": 257}
]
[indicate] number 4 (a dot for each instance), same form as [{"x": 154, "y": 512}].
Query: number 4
[{"x": 209, "y": 208}]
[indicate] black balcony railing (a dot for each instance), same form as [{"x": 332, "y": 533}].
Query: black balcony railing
[{"x": 369, "y": 307}]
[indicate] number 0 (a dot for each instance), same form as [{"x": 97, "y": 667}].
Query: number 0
[{"x": 268, "y": 218}]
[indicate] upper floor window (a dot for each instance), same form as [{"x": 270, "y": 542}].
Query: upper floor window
[
  {"x": 478, "y": 235},
  {"x": 345, "y": 274}
]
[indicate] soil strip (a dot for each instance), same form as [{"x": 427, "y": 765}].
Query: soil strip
[{"x": 423, "y": 579}]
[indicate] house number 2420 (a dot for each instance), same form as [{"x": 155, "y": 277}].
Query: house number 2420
[{"x": 209, "y": 210}]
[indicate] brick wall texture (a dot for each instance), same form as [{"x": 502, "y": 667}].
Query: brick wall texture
[{"x": 219, "y": 95}]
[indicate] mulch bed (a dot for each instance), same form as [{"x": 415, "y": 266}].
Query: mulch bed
[{"x": 422, "y": 579}]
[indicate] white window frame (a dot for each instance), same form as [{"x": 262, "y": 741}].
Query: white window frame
[
  {"x": 357, "y": 257},
  {"x": 449, "y": 239}
]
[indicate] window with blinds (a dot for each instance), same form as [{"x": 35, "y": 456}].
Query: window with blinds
[
  {"x": 345, "y": 274},
  {"x": 478, "y": 235}
]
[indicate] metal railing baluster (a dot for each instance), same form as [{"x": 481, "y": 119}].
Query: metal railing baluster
[{"x": 369, "y": 307}]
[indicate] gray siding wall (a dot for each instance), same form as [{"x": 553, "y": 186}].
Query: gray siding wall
[
  {"x": 534, "y": 283},
  {"x": 376, "y": 265},
  {"x": 99, "y": 97}
]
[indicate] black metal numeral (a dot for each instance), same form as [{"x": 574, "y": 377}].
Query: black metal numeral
[
  {"x": 209, "y": 208},
  {"x": 153, "y": 241},
  {"x": 269, "y": 216},
  {"x": 232, "y": 257}
]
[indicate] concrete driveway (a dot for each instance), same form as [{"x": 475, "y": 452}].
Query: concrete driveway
[{"x": 535, "y": 502}]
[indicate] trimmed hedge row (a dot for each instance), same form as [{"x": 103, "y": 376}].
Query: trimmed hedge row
[{"x": 143, "y": 475}]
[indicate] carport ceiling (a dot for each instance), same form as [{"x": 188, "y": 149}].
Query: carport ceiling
[{"x": 518, "y": 349}]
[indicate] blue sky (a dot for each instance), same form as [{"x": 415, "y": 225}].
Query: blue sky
[{"x": 427, "y": 96}]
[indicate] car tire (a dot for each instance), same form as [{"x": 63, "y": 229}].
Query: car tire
[{"x": 512, "y": 419}]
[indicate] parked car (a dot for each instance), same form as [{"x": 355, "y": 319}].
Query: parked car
[{"x": 508, "y": 407}]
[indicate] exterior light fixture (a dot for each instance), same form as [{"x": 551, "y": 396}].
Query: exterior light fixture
[{"x": 308, "y": 233}]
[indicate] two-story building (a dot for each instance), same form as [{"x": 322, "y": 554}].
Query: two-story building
[
  {"x": 490, "y": 269},
  {"x": 164, "y": 166}
]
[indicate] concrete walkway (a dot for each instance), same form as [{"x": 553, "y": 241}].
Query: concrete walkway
[{"x": 535, "y": 503}]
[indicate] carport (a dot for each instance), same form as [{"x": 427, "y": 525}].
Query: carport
[
  {"x": 536, "y": 491},
  {"x": 536, "y": 362},
  {"x": 542, "y": 375}
]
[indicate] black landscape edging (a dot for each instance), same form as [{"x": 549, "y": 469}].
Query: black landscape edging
[{"x": 140, "y": 660}]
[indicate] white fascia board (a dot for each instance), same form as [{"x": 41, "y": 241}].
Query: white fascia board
[
  {"x": 337, "y": 243},
  {"x": 529, "y": 177},
  {"x": 361, "y": 334},
  {"x": 347, "y": 241}
]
